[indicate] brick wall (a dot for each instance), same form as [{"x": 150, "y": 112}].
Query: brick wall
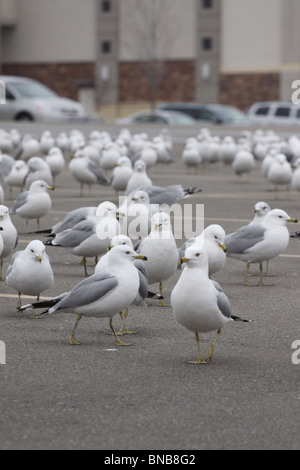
[
  {"x": 62, "y": 78},
  {"x": 176, "y": 83},
  {"x": 242, "y": 90}
]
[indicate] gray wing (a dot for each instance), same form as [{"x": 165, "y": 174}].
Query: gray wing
[
  {"x": 13, "y": 259},
  {"x": 98, "y": 173},
  {"x": 74, "y": 237},
  {"x": 137, "y": 246},
  {"x": 20, "y": 202},
  {"x": 89, "y": 290},
  {"x": 164, "y": 195},
  {"x": 6, "y": 164},
  {"x": 73, "y": 218},
  {"x": 245, "y": 238},
  {"x": 222, "y": 300},
  {"x": 143, "y": 275}
]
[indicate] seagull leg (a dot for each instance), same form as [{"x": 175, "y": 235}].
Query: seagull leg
[
  {"x": 119, "y": 343},
  {"x": 73, "y": 340},
  {"x": 19, "y": 302},
  {"x": 261, "y": 282},
  {"x": 126, "y": 330},
  {"x": 247, "y": 283},
  {"x": 212, "y": 347},
  {"x": 200, "y": 360},
  {"x": 162, "y": 303}
]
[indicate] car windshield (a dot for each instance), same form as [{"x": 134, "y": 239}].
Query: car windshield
[
  {"x": 229, "y": 114},
  {"x": 32, "y": 90}
]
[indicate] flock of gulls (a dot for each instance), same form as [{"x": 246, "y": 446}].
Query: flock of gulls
[{"x": 131, "y": 262}]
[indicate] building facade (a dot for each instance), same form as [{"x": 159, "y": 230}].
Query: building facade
[{"x": 111, "y": 51}]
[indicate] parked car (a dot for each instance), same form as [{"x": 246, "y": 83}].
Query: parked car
[
  {"x": 30, "y": 100},
  {"x": 156, "y": 117},
  {"x": 274, "y": 112},
  {"x": 209, "y": 113}
]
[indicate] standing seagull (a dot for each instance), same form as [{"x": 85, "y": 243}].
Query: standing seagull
[
  {"x": 101, "y": 295},
  {"x": 161, "y": 250},
  {"x": 9, "y": 236},
  {"x": 198, "y": 303},
  {"x": 85, "y": 171},
  {"x": 259, "y": 243},
  {"x": 30, "y": 271},
  {"x": 35, "y": 203}
]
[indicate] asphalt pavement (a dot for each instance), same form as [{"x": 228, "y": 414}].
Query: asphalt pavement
[{"x": 147, "y": 397}]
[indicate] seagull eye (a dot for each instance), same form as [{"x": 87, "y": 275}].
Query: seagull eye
[
  {"x": 197, "y": 254},
  {"x": 280, "y": 217},
  {"x": 128, "y": 253},
  {"x": 32, "y": 251}
]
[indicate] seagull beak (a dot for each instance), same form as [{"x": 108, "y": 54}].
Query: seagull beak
[
  {"x": 293, "y": 221},
  {"x": 51, "y": 188},
  {"x": 157, "y": 226},
  {"x": 184, "y": 260},
  {"x": 39, "y": 259},
  {"x": 141, "y": 257},
  {"x": 134, "y": 199},
  {"x": 223, "y": 247},
  {"x": 110, "y": 247}
]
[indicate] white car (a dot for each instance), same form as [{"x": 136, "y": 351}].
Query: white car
[
  {"x": 30, "y": 100},
  {"x": 274, "y": 112},
  {"x": 157, "y": 117}
]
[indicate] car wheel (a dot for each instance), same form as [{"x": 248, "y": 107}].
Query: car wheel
[{"x": 24, "y": 117}]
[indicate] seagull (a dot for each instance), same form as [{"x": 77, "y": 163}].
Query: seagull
[
  {"x": 261, "y": 209},
  {"x": 161, "y": 250},
  {"x": 244, "y": 162},
  {"x": 280, "y": 172},
  {"x": 35, "y": 203},
  {"x": 212, "y": 240},
  {"x": 17, "y": 175},
  {"x": 258, "y": 243},
  {"x": 30, "y": 271},
  {"x": 200, "y": 304},
  {"x": 121, "y": 174},
  {"x": 167, "y": 195},
  {"x": 85, "y": 171},
  {"x": 102, "y": 295},
  {"x": 143, "y": 293},
  {"x": 9, "y": 237},
  {"x": 70, "y": 220},
  {"x": 56, "y": 162},
  {"x": 135, "y": 215},
  {"x": 139, "y": 177},
  {"x": 91, "y": 237},
  {"x": 38, "y": 170}
]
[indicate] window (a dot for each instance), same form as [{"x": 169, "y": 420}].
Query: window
[
  {"x": 106, "y": 47},
  {"x": 207, "y": 4},
  {"x": 262, "y": 111},
  {"x": 106, "y": 6},
  {"x": 207, "y": 44},
  {"x": 283, "y": 111}
]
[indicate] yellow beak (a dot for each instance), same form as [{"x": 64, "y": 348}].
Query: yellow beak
[
  {"x": 293, "y": 221},
  {"x": 39, "y": 259},
  {"x": 184, "y": 260},
  {"x": 223, "y": 247},
  {"x": 141, "y": 257}
]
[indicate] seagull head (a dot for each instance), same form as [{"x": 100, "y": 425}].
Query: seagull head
[
  {"x": 279, "y": 217},
  {"x": 140, "y": 197},
  {"x": 40, "y": 186},
  {"x": 106, "y": 209},
  {"x": 261, "y": 208},
  {"x": 161, "y": 221},
  {"x": 195, "y": 257},
  {"x": 36, "y": 249},
  {"x": 124, "y": 253},
  {"x": 4, "y": 212},
  {"x": 216, "y": 234}
]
